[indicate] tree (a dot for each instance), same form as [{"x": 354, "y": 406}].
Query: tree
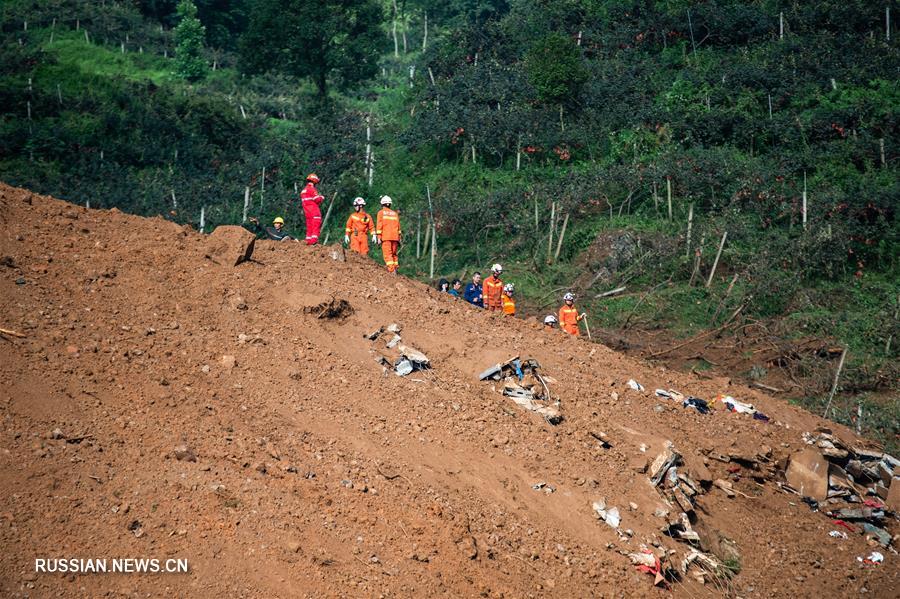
[
  {"x": 555, "y": 68},
  {"x": 189, "y": 34},
  {"x": 337, "y": 40}
]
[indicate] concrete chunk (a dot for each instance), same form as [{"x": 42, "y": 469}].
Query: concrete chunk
[{"x": 808, "y": 473}]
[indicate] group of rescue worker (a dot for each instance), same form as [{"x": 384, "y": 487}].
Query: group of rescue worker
[{"x": 491, "y": 294}]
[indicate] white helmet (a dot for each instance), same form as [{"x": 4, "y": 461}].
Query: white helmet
[
  {"x": 386, "y": 200},
  {"x": 508, "y": 288},
  {"x": 549, "y": 319},
  {"x": 497, "y": 269},
  {"x": 569, "y": 296},
  {"x": 359, "y": 202}
]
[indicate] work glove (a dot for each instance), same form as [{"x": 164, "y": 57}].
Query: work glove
[
  {"x": 374, "y": 238},
  {"x": 582, "y": 315},
  {"x": 346, "y": 239}
]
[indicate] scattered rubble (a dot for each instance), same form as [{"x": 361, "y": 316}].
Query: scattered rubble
[
  {"x": 525, "y": 385},
  {"x": 402, "y": 359}
]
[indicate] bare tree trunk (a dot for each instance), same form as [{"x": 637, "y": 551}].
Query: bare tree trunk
[
  {"x": 837, "y": 377},
  {"x": 550, "y": 238},
  {"x": 690, "y": 224},
  {"x": 562, "y": 236},
  {"x": 803, "y": 195},
  {"x": 712, "y": 273},
  {"x": 246, "y": 202},
  {"x": 425, "y": 33},
  {"x": 669, "y": 195}
]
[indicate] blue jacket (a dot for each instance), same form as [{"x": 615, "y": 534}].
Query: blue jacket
[{"x": 473, "y": 295}]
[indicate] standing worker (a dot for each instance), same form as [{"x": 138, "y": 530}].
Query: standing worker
[
  {"x": 569, "y": 316},
  {"x": 387, "y": 233},
  {"x": 509, "y": 304},
  {"x": 492, "y": 290},
  {"x": 310, "y": 198},
  {"x": 472, "y": 293},
  {"x": 359, "y": 226}
]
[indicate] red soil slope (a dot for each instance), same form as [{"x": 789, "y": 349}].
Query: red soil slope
[{"x": 316, "y": 472}]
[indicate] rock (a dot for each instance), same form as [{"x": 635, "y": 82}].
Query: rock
[
  {"x": 183, "y": 453},
  {"x": 725, "y": 486},
  {"x": 57, "y": 434},
  {"x": 808, "y": 474},
  {"x": 293, "y": 546},
  {"x": 237, "y": 302},
  {"x": 20, "y": 281},
  {"x": 229, "y": 245},
  {"x": 893, "y": 497},
  {"x": 394, "y": 328},
  {"x": 468, "y": 547},
  {"x": 638, "y": 464},
  {"x": 205, "y": 368},
  {"x": 29, "y": 577},
  {"x": 228, "y": 361}
]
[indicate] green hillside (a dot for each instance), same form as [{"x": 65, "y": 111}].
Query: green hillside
[{"x": 585, "y": 144}]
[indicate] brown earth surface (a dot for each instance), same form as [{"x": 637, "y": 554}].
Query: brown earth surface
[{"x": 307, "y": 469}]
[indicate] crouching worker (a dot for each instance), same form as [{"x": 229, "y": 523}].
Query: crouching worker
[
  {"x": 276, "y": 232},
  {"x": 549, "y": 322},
  {"x": 509, "y": 304}
]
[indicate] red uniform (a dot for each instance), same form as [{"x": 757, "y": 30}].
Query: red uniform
[
  {"x": 359, "y": 226},
  {"x": 492, "y": 291},
  {"x": 568, "y": 319},
  {"x": 387, "y": 228},
  {"x": 310, "y": 198}
]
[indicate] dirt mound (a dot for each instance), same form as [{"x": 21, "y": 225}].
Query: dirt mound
[{"x": 162, "y": 406}]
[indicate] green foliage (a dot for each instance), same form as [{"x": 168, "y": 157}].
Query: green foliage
[
  {"x": 330, "y": 40},
  {"x": 555, "y": 69},
  {"x": 189, "y": 35}
]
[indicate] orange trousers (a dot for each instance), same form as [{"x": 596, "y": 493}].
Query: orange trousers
[
  {"x": 359, "y": 243},
  {"x": 389, "y": 251}
]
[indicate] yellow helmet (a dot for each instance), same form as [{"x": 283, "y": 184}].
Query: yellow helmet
[{"x": 278, "y": 221}]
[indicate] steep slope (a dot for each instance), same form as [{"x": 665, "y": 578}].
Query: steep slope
[{"x": 316, "y": 471}]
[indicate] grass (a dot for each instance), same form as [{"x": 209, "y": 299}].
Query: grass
[{"x": 74, "y": 54}]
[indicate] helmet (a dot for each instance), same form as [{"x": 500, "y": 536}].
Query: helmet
[
  {"x": 312, "y": 177},
  {"x": 497, "y": 269},
  {"x": 508, "y": 288},
  {"x": 359, "y": 202},
  {"x": 569, "y": 296},
  {"x": 549, "y": 319},
  {"x": 278, "y": 221},
  {"x": 386, "y": 200}
]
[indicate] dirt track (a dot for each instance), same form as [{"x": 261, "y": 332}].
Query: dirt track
[{"x": 319, "y": 474}]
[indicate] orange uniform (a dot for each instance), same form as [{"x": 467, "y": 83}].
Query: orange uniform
[
  {"x": 387, "y": 228},
  {"x": 509, "y": 305},
  {"x": 568, "y": 319},
  {"x": 491, "y": 292},
  {"x": 359, "y": 225}
]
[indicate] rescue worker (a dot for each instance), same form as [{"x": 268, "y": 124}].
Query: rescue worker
[
  {"x": 310, "y": 198},
  {"x": 549, "y": 322},
  {"x": 359, "y": 227},
  {"x": 569, "y": 316},
  {"x": 456, "y": 286},
  {"x": 492, "y": 290},
  {"x": 472, "y": 294},
  {"x": 509, "y": 304},
  {"x": 387, "y": 233},
  {"x": 276, "y": 232}
]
